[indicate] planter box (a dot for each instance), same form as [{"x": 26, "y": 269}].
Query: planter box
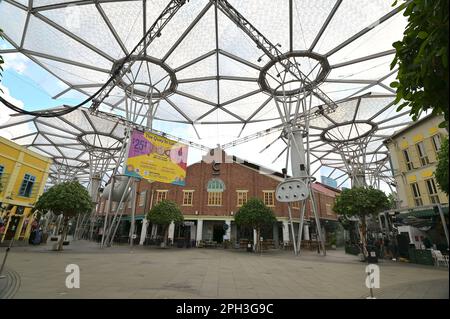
[
  {"x": 352, "y": 250},
  {"x": 421, "y": 256}
]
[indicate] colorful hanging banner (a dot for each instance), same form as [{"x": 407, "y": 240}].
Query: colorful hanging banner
[{"x": 156, "y": 158}]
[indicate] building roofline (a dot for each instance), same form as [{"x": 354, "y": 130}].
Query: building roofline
[
  {"x": 25, "y": 150},
  {"x": 259, "y": 168},
  {"x": 410, "y": 126},
  {"x": 337, "y": 190}
]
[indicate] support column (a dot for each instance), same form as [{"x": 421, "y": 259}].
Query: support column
[
  {"x": 276, "y": 236},
  {"x": 193, "y": 234},
  {"x": 146, "y": 222},
  {"x": 199, "y": 231},
  {"x": 306, "y": 232},
  {"x": 227, "y": 235},
  {"x": 95, "y": 184},
  {"x": 254, "y": 239},
  {"x": 444, "y": 224},
  {"x": 154, "y": 231},
  {"x": 171, "y": 232},
  {"x": 143, "y": 231},
  {"x": 133, "y": 211},
  {"x": 285, "y": 232}
]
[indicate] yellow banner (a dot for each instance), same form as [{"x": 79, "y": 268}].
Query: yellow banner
[{"x": 156, "y": 158}]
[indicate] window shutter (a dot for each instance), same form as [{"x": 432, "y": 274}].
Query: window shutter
[
  {"x": 410, "y": 196},
  {"x": 414, "y": 156},
  {"x": 424, "y": 194},
  {"x": 429, "y": 149},
  {"x": 401, "y": 162}
]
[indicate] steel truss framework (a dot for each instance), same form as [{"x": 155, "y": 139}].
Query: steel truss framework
[
  {"x": 79, "y": 143},
  {"x": 208, "y": 62}
]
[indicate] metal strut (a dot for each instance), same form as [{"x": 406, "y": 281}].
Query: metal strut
[
  {"x": 131, "y": 124},
  {"x": 271, "y": 50},
  {"x": 139, "y": 50}
]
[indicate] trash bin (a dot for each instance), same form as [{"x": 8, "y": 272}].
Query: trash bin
[
  {"x": 249, "y": 247},
  {"x": 372, "y": 258}
]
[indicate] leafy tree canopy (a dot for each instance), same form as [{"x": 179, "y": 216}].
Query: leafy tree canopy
[
  {"x": 68, "y": 198},
  {"x": 360, "y": 202},
  {"x": 164, "y": 213},
  {"x": 392, "y": 201},
  {"x": 422, "y": 58},
  {"x": 254, "y": 213},
  {"x": 441, "y": 172}
]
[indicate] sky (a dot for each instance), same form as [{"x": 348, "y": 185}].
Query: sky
[
  {"x": 27, "y": 85},
  {"x": 20, "y": 86}
]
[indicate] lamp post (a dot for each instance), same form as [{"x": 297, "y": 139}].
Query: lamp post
[{"x": 6, "y": 254}]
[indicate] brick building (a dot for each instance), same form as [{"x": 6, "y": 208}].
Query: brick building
[{"x": 215, "y": 189}]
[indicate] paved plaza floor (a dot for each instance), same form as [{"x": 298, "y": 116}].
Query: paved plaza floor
[{"x": 145, "y": 272}]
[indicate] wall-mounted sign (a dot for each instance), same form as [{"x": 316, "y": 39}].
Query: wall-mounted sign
[
  {"x": 156, "y": 158},
  {"x": 216, "y": 168}
]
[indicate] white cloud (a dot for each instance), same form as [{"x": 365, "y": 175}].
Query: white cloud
[
  {"x": 5, "y": 112},
  {"x": 16, "y": 62}
]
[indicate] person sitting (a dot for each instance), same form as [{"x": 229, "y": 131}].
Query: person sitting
[
  {"x": 2, "y": 229},
  {"x": 427, "y": 243}
]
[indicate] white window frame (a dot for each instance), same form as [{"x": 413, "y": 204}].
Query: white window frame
[
  {"x": 417, "y": 197},
  {"x": 190, "y": 202},
  {"x": 215, "y": 199},
  {"x": 424, "y": 160},
  {"x": 432, "y": 191},
  {"x": 161, "y": 191},
  {"x": 436, "y": 139},
  {"x": 409, "y": 163},
  {"x": 244, "y": 199},
  {"x": 272, "y": 197}
]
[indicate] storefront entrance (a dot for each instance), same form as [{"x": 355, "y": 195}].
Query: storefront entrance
[
  {"x": 183, "y": 235},
  {"x": 218, "y": 232},
  {"x": 12, "y": 227},
  {"x": 213, "y": 231}
]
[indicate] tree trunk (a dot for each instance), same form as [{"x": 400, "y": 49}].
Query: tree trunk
[
  {"x": 166, "y": 235},
  {"x": 363, "y": 234},
  {"x": 258, "y": 241},
  {"x": 63, "y": 235}
]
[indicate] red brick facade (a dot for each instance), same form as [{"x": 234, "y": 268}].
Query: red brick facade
[{"x": 236, "y": 176}]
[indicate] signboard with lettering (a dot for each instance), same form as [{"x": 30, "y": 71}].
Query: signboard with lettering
[{"x": 156, "y": 158}]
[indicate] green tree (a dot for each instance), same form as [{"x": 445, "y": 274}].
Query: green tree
[
  {"x": 392, "y": 197},
  {"x": 163, "y": 214},
  {"x": 69, "y": 199},
  {"x": 422, "y": 79},
  {"x": 255, "y": 214},
  {"x": 441, "y": 173},
  {"x": 361, "y": 202}
]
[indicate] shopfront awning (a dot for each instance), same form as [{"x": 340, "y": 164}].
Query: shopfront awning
[
  {"x": 423, "y": 213},
  {"x": 128, "y": 218}
]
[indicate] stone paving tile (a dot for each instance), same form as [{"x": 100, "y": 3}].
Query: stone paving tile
[{"x": 144, "y": 272}]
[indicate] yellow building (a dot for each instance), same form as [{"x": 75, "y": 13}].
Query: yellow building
[
  {"x": 413, "y": 154},
  {"x": 23, "y": 174}
]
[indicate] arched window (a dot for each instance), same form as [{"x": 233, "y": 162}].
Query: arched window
[{"x": 215, "y": 185}]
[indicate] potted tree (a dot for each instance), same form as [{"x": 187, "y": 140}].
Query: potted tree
[
  {"x": 67, "y": 199},
  {"x": 255, "y": 214},
  {"x": 361, "y": 202},
  {"x": 163, "y": 214}
]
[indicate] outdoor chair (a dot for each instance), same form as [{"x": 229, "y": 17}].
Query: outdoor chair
[{"x": 439, "y": 259}]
